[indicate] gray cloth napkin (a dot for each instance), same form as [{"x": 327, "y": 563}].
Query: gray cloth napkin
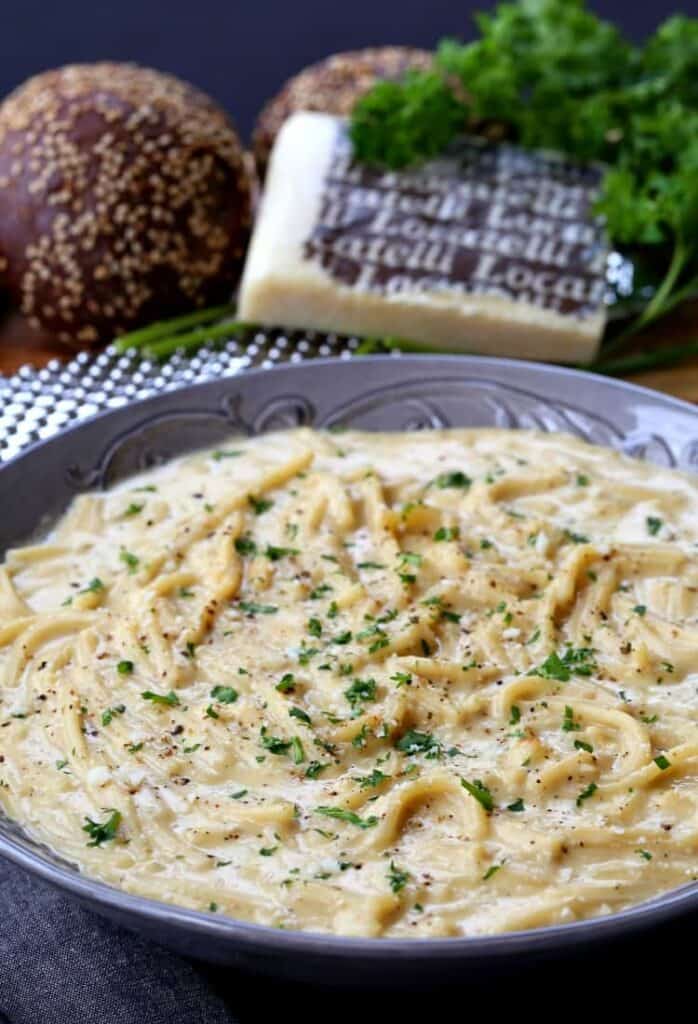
[{"x": 60, "y": 964}]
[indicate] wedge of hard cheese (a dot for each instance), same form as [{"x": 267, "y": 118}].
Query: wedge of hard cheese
[{"x": 492, "y": 249}]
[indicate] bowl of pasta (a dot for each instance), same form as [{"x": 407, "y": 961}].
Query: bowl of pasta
[{"x": 357, "y": 669}]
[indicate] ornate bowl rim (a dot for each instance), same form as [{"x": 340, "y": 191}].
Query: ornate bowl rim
[{"x": 608, "y": 401}]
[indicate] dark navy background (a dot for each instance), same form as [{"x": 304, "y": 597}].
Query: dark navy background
[{"x": 241, "y": 52}]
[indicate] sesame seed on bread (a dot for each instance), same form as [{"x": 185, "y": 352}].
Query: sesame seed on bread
[
  {"x": 332, "y": 86},
  {"x": 124, "y": 198}
]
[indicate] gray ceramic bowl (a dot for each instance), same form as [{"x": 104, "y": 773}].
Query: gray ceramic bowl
[{"x": 377, "y": 393}]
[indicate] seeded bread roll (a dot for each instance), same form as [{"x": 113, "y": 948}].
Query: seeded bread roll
[
  {"x": 124, "y": 198},
  {"x": 332, "y": 87}
]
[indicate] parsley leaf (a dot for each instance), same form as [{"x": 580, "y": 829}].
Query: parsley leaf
[
  {"x": 453, "y": 479},
  {"x": 414, "y": 742},
  {"x": 252, "y": 608},
  {"x": 170, "y": 699},
  {"x": 349, "y": 816},
  {"x": 481, "y": 793},
  {"x": 654, "y": 525},
  {"x": 102, "y": 832},
  {"x": 224, "y": 694},
  {"x": 398, "y": 878}
]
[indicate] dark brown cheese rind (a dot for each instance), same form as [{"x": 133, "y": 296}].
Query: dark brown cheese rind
[
  {"x": 332, "y": 86},
  {"x": 123, "y": 198}
]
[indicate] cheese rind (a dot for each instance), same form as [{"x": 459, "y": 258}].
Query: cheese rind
[{"x": 487, "y": 251}]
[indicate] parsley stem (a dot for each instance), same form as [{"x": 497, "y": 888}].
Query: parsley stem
[
  {"x": 640, "y": 361},
  {"x": 166, "y": 328},
  {"x": 193, "y": 339},
  {"x": 663, "y": 300}
]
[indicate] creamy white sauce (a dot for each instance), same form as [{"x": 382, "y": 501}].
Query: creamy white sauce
[{"x": 416, "y": 684}]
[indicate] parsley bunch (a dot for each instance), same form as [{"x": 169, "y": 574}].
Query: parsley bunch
[{"x": 551, "y": 74}]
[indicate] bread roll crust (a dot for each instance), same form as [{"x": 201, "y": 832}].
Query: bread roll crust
[
  {"x": 332, "y": 86},
  {"x": 124, "y": 197}
]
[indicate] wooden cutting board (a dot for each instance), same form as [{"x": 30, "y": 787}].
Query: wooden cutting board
[{"x": 20, "y": 344}]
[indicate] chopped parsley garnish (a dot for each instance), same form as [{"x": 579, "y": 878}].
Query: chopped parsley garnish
[
  {"x": 275, "y": 554},
  {"x": 286, "y": 684},
  {"x": 102, "y": 832},
  {"x": 582, "y": 480},
  {"x": 586, "y": 793},
  {"x": 343, "y": 638},
  {"x": 515, "y": 716},
  {"x": 259, "y": 505},
  {"x": 314, "y": 769},
  {"x": 414, "y": 742},
  {"x": 301, "y": 715},
  {"x": 492, "y": 870},
  {"x": 361, "y": 690},
  {"x": 662, "y": 762},
  {"x": 268, "y": 851},
  {"x": 273, "y": 744},
  {"x": 297, "y": 752},
  {"x": 410, "y": 558},
  {"x": 581, "y": 745},
  {"x": 93, "y": 587},
  {"x": 480, "y": 791},
  {"x": 108, "y": 715},
  {"x": 190, "y": 750},
  {"x": 360, "y": 740},
  {"x": 124, "y": 668},
  {"x": 518, "y": 805},
  {"x": 224, "y": 694},
  {"x": 447, "y": 533},
  {"x": 568, "y": 722},
  {"x": 575, "y": 661},
  {"x": 170, "y": 699},
  {"x": 239, "y": 794},
  {"x": 645, "y": 854},
  {"x": 576, "y": 538},
  {"x": 221, "y": 454},
  {"x": 372, "y": 780},
  {"x": 245, "y": 545},
  {"x": 133, "y": 748},
  {"x": 369, "y": 565},
  {"x": 133, "y": 509},
  {"x": 130, "y": 561},
  {"x": 398, "y": 879},
  {"x": 453, "y": 479},
  {"x": 654, "y": 525},
  {"x": 380, "y": 642},
  {"x": 640, "y": 609},
  {"x": 211, "y": 712},
  {"x": 333, "y": 610},
  {"x": 402, "y": 679},
  {"x": 306, "y": 653},
  {"x": 314, "y": 627},
  {"x": 485, "y": 543},
  {"x": 320, "y": 591},
  {"x": 349, "y": 816},
  {"x": 252, "y": 608}
]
